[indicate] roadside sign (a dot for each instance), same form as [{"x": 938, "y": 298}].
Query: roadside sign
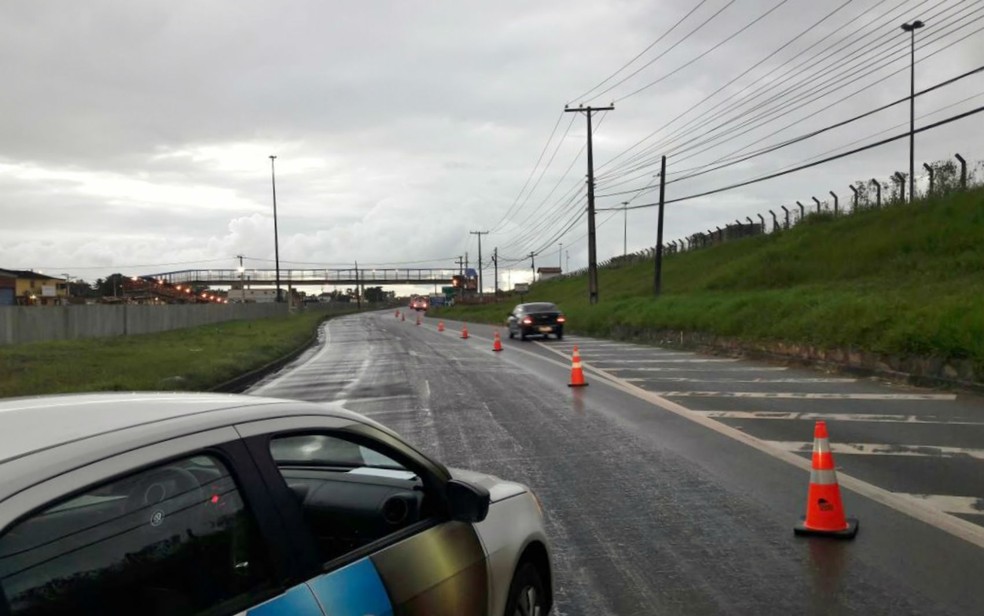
[{"x": 521, "y": 287}]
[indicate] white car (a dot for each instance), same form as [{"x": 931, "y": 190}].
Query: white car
[{"x": 213, "y": 504}]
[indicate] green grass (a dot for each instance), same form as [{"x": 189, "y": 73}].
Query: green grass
[
  {"x": 902, "y": 280},
  {"x": 187, "y": 359}
]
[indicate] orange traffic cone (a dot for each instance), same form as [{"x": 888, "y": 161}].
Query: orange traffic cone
[
  {"x": 403, "y": 317},
  {"x": 824, "y": 511},
  {"x": 397, "y": 315},
  {"x": 577, "y": 374},
  {"x": 464, "y": 331},
  {"x": 440, "y": 326},
  {"x": 418, "y": 319},
  {"x": 497, "y": 342}
]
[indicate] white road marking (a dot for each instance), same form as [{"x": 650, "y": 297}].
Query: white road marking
[
  {"x": 962, "y": 529},
  {"x": 869, "y": 417},
  {"x": 802, "y": 396},
  {"x": 655, "y": 360},
  {"x": 680, "y": 379},
  {"x": 686, "y": 369},
  {"x": 882, "y": 449},
  {"x": 967, "y": 505}
]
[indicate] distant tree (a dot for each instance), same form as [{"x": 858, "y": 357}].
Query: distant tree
[{"x": 375, "y": 294}]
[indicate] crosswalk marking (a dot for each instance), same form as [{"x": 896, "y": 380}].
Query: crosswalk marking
[
  {"x": 803, "y": 396},
  {"x": 883, "y": 449},
  {"x": 866, "y": 417}
]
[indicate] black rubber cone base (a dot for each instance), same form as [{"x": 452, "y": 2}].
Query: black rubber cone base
[
  {"x": 847, "y": 533},
  {"x": 579, "y": 385}
]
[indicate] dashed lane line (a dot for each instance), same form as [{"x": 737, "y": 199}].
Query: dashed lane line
[
  {"x": 914, "y": 508},
  {"x": 883, "y": 449},
  {"x": 681, "y": 379},
  {"x": 862, "y": 417},
  {"x": 925, "y": 508},
  {"x": 792, "y": 395}
]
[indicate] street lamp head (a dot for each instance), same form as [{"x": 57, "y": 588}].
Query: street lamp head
[
  {"x": 913, "y": 26},
  {"x": 272, "y": 157}
]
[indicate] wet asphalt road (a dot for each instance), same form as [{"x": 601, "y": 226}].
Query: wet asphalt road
[{"x": 682, "y": 503}]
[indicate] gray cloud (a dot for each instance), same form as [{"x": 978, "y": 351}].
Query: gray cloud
[{"x": 137, "y": 134}]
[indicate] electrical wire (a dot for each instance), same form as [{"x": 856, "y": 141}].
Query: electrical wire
[
  {"x": 776, "y": 82},
  {"x": 961, "y": 23},
  {"x": 690, "y": 62},
  {"x": 816, "y": 163},
  {"x": 640, "y": 54},
  {"x": 698, "y": 171},
  {"x": 532, "y": 171}
]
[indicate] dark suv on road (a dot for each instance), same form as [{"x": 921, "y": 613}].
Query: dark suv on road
[{"x": 536, "y": 319}]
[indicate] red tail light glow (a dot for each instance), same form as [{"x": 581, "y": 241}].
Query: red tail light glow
[
  {"x": 527, "y": 321},
  {"x": 561, "y": 319}
]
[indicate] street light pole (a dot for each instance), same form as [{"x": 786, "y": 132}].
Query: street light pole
[
  {"x": 911, "y": 28},
  {"x": 276, "y": 241}
]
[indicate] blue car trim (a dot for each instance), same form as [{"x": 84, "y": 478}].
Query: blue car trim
[
  {"x": 353, "y": 590},
  {"x": 298, "y": 601}
]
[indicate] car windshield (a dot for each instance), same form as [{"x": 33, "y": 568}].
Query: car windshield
[{"x": 540, "y": 307}]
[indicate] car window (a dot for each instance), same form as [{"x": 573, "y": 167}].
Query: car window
[
  {"x": 174, "y": 539},
  {"x": 350, "y": 494},
  {"x": 541, "y": 307}
]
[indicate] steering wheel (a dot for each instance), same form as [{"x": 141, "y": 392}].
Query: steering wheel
[{"x": 150, "y": 492}]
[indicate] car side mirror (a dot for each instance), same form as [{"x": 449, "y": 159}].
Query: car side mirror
[{"x": 467, "y": 502}]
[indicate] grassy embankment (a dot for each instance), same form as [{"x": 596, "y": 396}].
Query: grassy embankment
[
  {"x": 187, "y": 359},
  {"x": 905, "y": 280}
]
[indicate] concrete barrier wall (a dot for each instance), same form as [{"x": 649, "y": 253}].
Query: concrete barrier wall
[{"x": 22, "y": 324}]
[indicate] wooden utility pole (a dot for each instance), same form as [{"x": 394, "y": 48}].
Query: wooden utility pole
[
  {"x": 592, "y": 249},
  {"x": 658, "y": 283}
]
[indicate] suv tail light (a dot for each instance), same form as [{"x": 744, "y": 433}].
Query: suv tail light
[
  {"x": 527, "y": 321},
  {"x": 561, "y": 319}
]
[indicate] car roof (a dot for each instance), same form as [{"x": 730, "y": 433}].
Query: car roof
[
  {"x": 540, "y": 306},
  {"x": 32, "y": 424}
]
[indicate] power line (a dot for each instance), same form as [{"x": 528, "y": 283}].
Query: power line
[
  {"x": 640, "y": 54},
  {"x": 685, "y": 65},
  {"x": 961, "y": 24},
  {"x": 532, "y": 171},
  {"x": 819, "y": 162},
  {"x": 788, "y": 99},
  {"x": 704, "y": 170},
  {"x": 758, "y": 93},
  {"x": 796, "y": 102}
]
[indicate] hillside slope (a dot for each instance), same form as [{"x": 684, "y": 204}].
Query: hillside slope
[{"x": 907, "y": 280}]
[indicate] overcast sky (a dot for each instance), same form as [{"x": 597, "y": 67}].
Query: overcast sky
[{"x": 134, "y": 136}]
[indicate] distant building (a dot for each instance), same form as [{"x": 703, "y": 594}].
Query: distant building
[
  {"x": 32, "y": 288},
  {"x": 546, "y": 273}
]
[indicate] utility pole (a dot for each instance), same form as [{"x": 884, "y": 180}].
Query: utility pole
[
  {"x": 533, "y": 265},
  {"x": 658, "y": 284},
  {"x": 592, "y": 248},
  {"x": 495, "y": 263},
  {"x": 276, "y": 241},
  {"x": 625, "y": 228},
  {"x": 481, "y": 289},
  {"x": 461, "y": 264},
  {"x": 358, "y": 288},
  {"x": 560, "y": 256}
]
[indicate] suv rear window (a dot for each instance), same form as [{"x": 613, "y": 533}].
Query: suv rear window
[{"x": 540, "y": 307}]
